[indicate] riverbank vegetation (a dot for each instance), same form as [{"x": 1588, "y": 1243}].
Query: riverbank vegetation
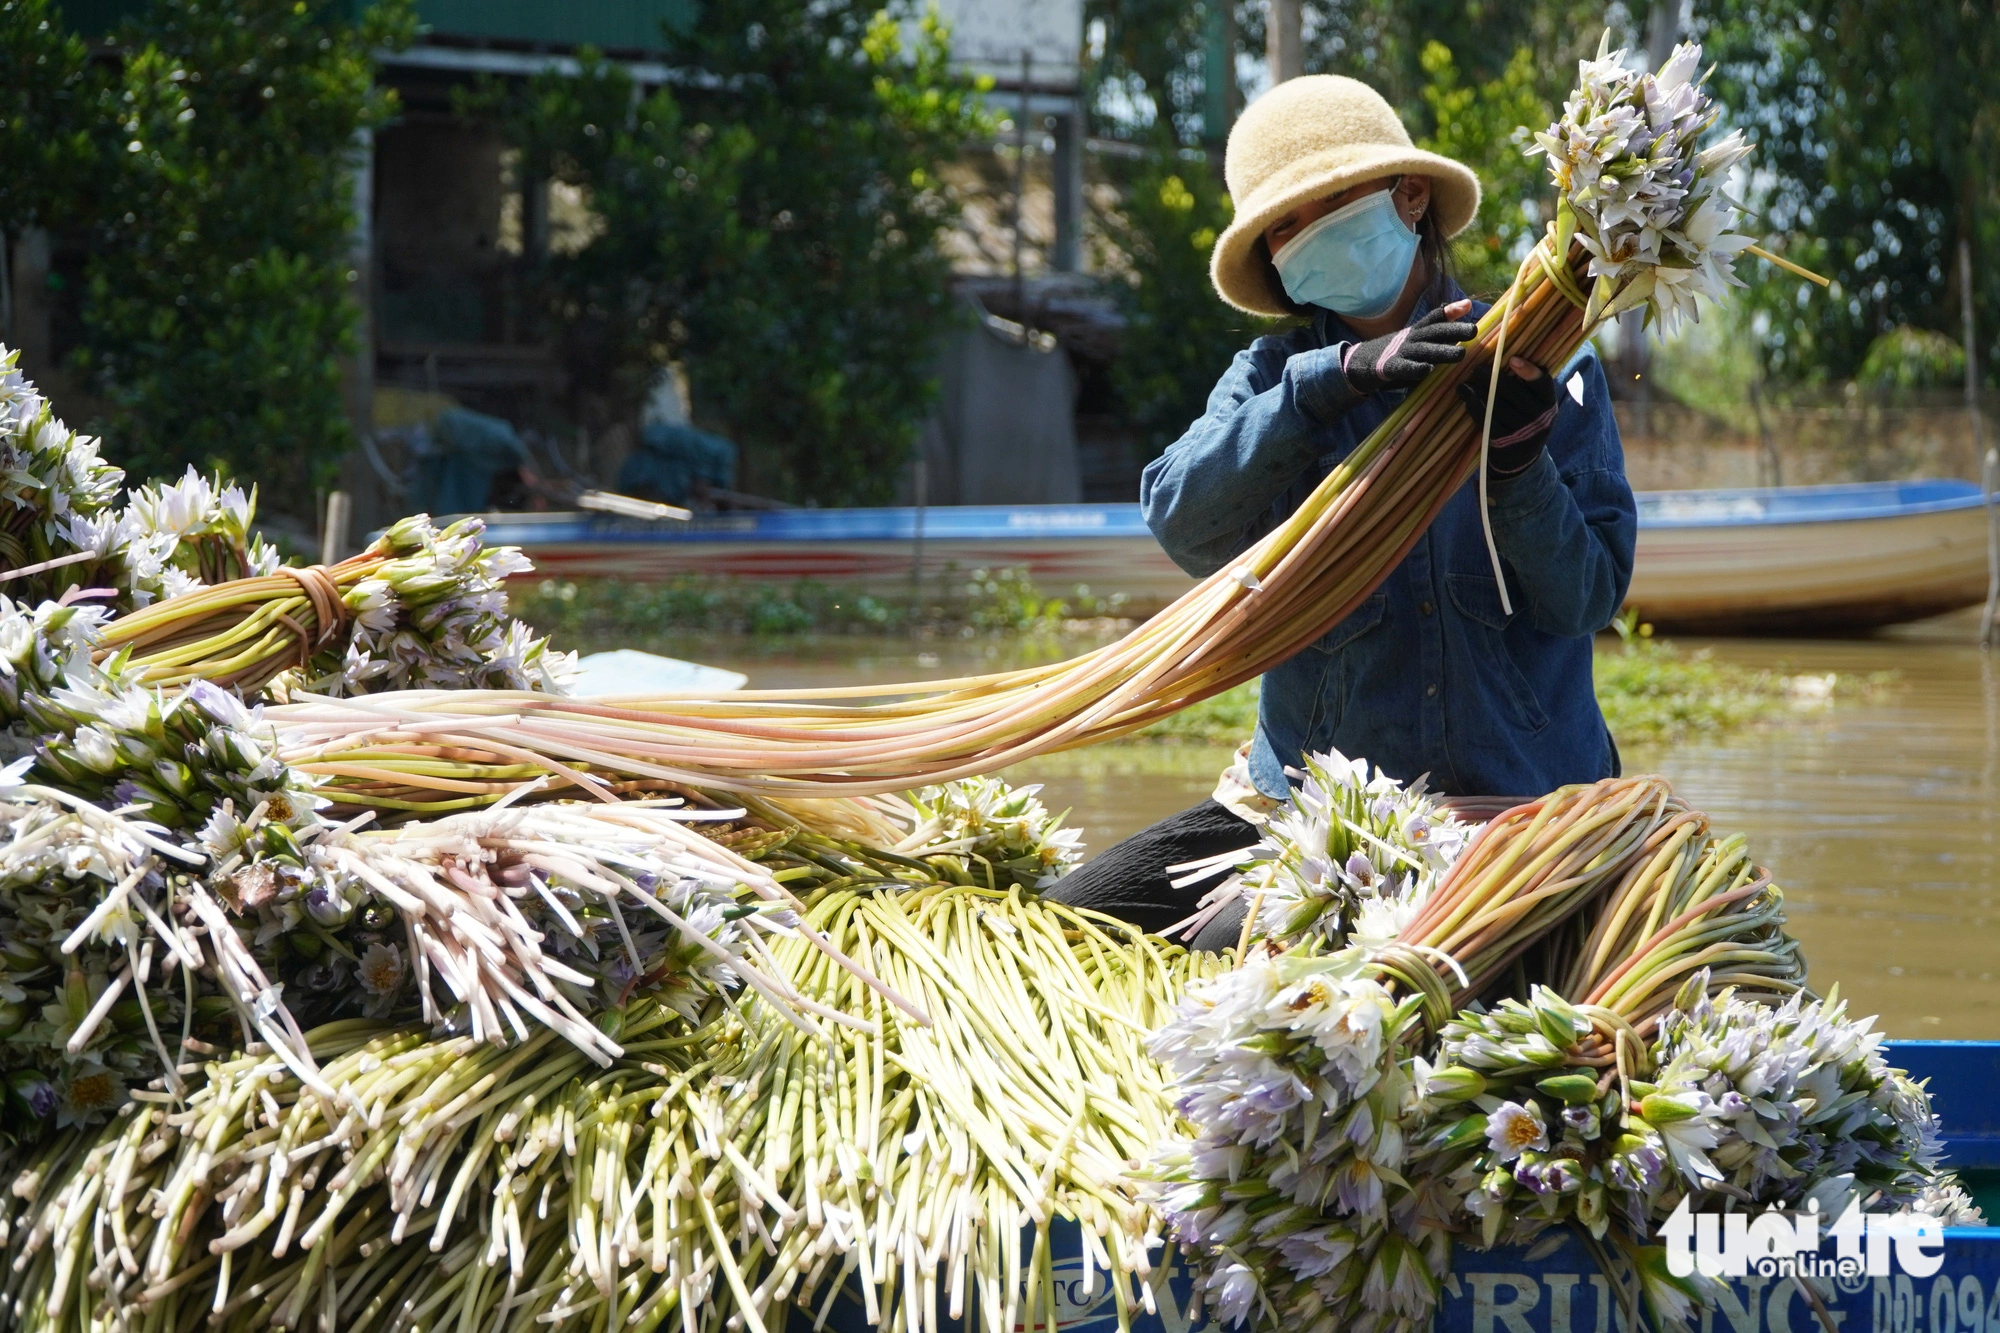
[
  {"x": 611, "y": 613},
  {"x": 1655, "y": 691}
]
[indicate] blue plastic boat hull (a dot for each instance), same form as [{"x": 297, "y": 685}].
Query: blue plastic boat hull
[{"x": 1802, "y": 559}]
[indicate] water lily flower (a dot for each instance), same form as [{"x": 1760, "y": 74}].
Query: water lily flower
[{"x": 1512, "y": 1129}]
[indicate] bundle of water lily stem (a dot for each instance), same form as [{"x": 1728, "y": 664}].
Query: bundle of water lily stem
[{"x": 338, "y": 991}]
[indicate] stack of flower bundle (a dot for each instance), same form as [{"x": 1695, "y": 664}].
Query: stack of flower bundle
[{"x": 1590, "y": 1015}]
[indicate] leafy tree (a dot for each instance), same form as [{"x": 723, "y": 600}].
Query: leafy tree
[
  {"x": 778, "y": 232},
  {"x": 1148, "y": 82},
  {"x": 216, "y": 303},
  {"x": 1487, "y": 126},
  {"x": 1178, "y": 335},
  {"x": 1466, "y": 78},
  {"x": 45, "y": 107},
  {"x": 661, "y": 185},
  {"x": 1879, "y": 135}
]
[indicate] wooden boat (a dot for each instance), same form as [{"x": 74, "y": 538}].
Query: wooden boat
[
  {"x": 1809, "y": 558},
  {"x": 1783, "y": 561}
]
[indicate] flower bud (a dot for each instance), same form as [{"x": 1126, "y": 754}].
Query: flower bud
[
  {"x": 34, "y": 1092},
  {"x": 1571, "y": 1089},
  {"x": 329, "y": 907},
  {"x": 1664, "y": 1109},
  {"x": 1592, "y": 1206},
  {"x": 1557, "y": 1020},
  {"x": 1454, "y": 1083}
]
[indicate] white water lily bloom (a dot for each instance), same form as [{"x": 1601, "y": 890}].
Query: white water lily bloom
[
  {"x": 1947, "y": 1201},
  {"x": 434, "y": 616},
  {"x": 96, "y": 749},
  {"x": 177, "y": 507},
  {"x": 1512, "y": 1129},
  {"x": 175, "y": 583},
  {"x": 1294, "y": 1072},
  {"x": 1379, "y": 922},
  {"x": 1344, "y": 841},
  {"x": 983, "y": 831},
  {"x": 1345, "y": 1018},
  {"x": 43, "y": 647},
  {"x": 1646, "y": 200}
]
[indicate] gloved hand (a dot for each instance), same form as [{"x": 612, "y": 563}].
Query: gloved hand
[
  {"x": 1400, "y": 359},
  {"x": 1524, "y": 410}
]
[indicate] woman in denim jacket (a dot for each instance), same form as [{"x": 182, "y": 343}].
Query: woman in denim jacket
[{"x": 1340, "y": 221}]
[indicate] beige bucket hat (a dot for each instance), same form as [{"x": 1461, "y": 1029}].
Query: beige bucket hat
[{"x": 1308, "y": 138}]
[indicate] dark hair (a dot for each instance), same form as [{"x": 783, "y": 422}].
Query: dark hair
[
  {"x": 1435, "y": 248},
  {"x": 1431, "y": 244}
]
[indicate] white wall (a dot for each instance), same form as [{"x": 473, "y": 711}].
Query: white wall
[{"x": 988, "y": 36}]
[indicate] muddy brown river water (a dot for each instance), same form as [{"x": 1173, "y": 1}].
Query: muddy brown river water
[{"x": 1879, "y": 816}]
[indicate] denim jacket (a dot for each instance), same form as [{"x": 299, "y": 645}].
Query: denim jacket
[{"x": 1428, "y": 675}]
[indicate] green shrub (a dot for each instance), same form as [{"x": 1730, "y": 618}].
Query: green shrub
[
  {"x": 1908, "y": 358},
  {"x": 1179, "y": 336},
  {"x": 219, "y": 293},
  {"x": 778, "y": 235}
]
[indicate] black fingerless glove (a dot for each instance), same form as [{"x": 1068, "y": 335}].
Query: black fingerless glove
[
  {"x": 1523, "y": 413},
  {"x": 1400, "y": 359}
]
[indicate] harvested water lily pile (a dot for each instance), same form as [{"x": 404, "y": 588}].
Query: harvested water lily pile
[
  {"x": 353, "y": 977},
  {"x": 1580, "y": 1014}
]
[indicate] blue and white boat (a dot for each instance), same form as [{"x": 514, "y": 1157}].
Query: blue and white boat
[
  {"x": 1809, "y": 558},
  {"x": 1793, "y": 560}
]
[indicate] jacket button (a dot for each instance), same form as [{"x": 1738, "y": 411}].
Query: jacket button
[
  {"x": 1426, "y": 607},
  {"x": 1430, "y": 691}
]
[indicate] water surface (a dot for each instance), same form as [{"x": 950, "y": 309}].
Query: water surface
[{"x": 1878, "y": 815}]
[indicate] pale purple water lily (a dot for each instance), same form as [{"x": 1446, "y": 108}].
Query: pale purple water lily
[
  {"x": 1316, "y": 1251},
  {"x": 1233, "y": 1288},
  {"x": 1785, "y": 1094}
]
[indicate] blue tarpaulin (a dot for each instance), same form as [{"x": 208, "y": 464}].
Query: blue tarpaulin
[
  {"x": 467, "y": 452},
  {"x": 671, "y": 458}
]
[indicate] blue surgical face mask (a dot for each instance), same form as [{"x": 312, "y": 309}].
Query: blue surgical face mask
[{"x": 1354, "y": 261}]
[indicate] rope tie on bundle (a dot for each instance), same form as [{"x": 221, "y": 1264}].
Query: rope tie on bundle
[{"x": 330, "y": 611}]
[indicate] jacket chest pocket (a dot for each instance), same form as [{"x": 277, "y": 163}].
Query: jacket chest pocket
[
  {"x": 1364, "y": 618},
  {"x": 1477, "y": 598},
  {"x": 1335, "y": 670}
]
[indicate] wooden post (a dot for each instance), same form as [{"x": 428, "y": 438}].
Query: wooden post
[
  {"x": 1284, "y": 40},
  {"x": 333, "y": 536},
  {"x": 1067, "y": 256},
  {"x": 1989, "y": 458},
  {"x": 1772, "y": 463},
  {"x": 1021, "y": 186}
]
